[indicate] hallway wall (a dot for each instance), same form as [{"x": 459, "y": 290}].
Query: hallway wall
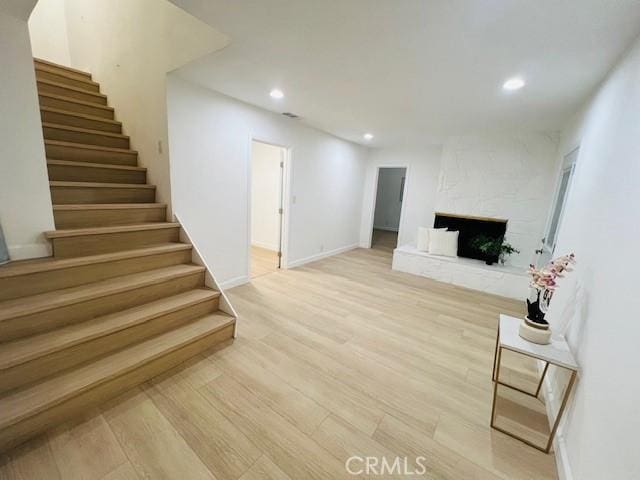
[
  {"x": 597, "y": 304},
  {"x": 128, "y": 47},
  {"x": 423, "y": 168},
  {"x": 25, "y": 201},
  {"x": 210, "y": 139}
]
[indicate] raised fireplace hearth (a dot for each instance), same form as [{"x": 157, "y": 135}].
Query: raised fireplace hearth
[{"x": 470, "y": 228}]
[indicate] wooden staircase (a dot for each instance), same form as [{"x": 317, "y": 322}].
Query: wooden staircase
[{"x": 120, "y": 300}]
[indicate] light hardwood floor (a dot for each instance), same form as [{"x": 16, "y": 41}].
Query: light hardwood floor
[
  {"x": 340, "y": 357},
  {"x": 263, "y": 261}
]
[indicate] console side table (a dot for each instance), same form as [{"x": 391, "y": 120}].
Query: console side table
[{"x": 557, "y": 353}]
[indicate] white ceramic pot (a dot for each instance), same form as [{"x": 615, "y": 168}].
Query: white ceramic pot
[{"x": 535, "y": 335}]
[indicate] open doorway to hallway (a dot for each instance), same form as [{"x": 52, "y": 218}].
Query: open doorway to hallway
[
  {"x": 388, "y": 207},
  {"x": 267, "y": 185}
]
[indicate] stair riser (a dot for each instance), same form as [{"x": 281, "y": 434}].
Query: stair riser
[
  {"x": 29, "y": 427},
  {"x": 102, "y": 218},
  {"x": 37, "y": 369},
  {"x": 86, "y": 195},
  {"x": 75, "y": 107},
  {"x": 111, "y": 242},
  {"x": 67, "y": 80},
  {"x": 44, "y": 321},
  {"x": 66, "y": 92},
  {"x": 75, "y": 154},
  {"x": 41, "y": 282},
  {"x": 40, "y": 65},
  {"x": 74, "y": 173},
  {"x": 73, "y": 121},
  {"x": 86, "y": 138}
]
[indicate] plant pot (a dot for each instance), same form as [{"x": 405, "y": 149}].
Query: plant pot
[
  {"x": 539, "y": 324},
  {"x": 535, "y": 334}
]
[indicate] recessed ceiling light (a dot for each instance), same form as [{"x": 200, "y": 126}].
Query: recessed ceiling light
[
  {"x": 368, "y": 136},
  {"x": 515, "y": 83},
  {"x": 277, "y": 94}
]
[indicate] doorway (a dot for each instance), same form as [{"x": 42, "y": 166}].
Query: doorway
[
  {"x": 267, "y": 207},
  {"x": 390, "y": 192}
]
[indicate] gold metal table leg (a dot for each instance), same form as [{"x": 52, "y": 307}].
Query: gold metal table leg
[
  {"x": 556, "y": 423},
  {"x": 567, "y": 392},
  {"x": 495, "y": 385},
  {"x": 544, "y": 372},
  {"x": 495, "y": 355}
]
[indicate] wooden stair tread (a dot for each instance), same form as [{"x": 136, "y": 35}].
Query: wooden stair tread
[
  {"x": 83, "y": 130},
  {"x": 41, "y": 302},
  {"x": 75, "y": 100},
  {"x": 62, "y": 67},
  {"x": 108, "y": 166},
  {"x": 25, "y": 403},
  {"x": 51, "y": 263},
  {"x": 106, "y": 206},
  {"x": 71, "y": 75},
  {"x": 74, "y": 232},
  {"x": 86, "y": 146},
  {"x": 71, "y": 88},
  {"x": 58, "y": 183},
  {"x": 26, "y": 349},
  {"x": 79, "y": 115}
]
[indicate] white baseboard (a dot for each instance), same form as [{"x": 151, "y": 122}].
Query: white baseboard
[
  {"x": 318, "y": 256},
  {"x": 234, "y": 282},
  {"x": 562, "y": 459},
  {"x": 552, "y": 405}
]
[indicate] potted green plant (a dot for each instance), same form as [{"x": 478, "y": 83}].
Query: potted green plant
[{"x": 493, "y": 249}]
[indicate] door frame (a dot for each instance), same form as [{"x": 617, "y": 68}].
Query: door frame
[
  {"x": 568, "y": 163},
  {"x": 284, "y": 199},
  {"x": 374, "y": 199}
]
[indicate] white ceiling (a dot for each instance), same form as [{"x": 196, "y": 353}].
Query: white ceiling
[{"x": 415, "y": 70}]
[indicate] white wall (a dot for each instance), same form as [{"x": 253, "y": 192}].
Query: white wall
[
  {"x": 48, "y": 31},
  {"x": 128, "y": 46},
  {"x": 25, "y": 201},
  {"x": 423, "y": 168},
  {"x": 210, "y": 138},
  {"x": 266, "y": 179},
  {"x": 388, "y": 204},
  {"x": 600, "y": 298},
  {"x": 501, "y": 176}
]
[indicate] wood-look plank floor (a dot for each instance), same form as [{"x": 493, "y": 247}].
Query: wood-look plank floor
[
  {"x": 263, "y": 261},
  {"x": 340, "y": 357}
]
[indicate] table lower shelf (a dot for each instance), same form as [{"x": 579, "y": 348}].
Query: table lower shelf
[{"x": 505, "y": 411}]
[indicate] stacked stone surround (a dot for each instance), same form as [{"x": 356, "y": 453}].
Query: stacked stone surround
[
  {"x": 511, "y": 177},
  {"x": 506, "y": 281}
]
